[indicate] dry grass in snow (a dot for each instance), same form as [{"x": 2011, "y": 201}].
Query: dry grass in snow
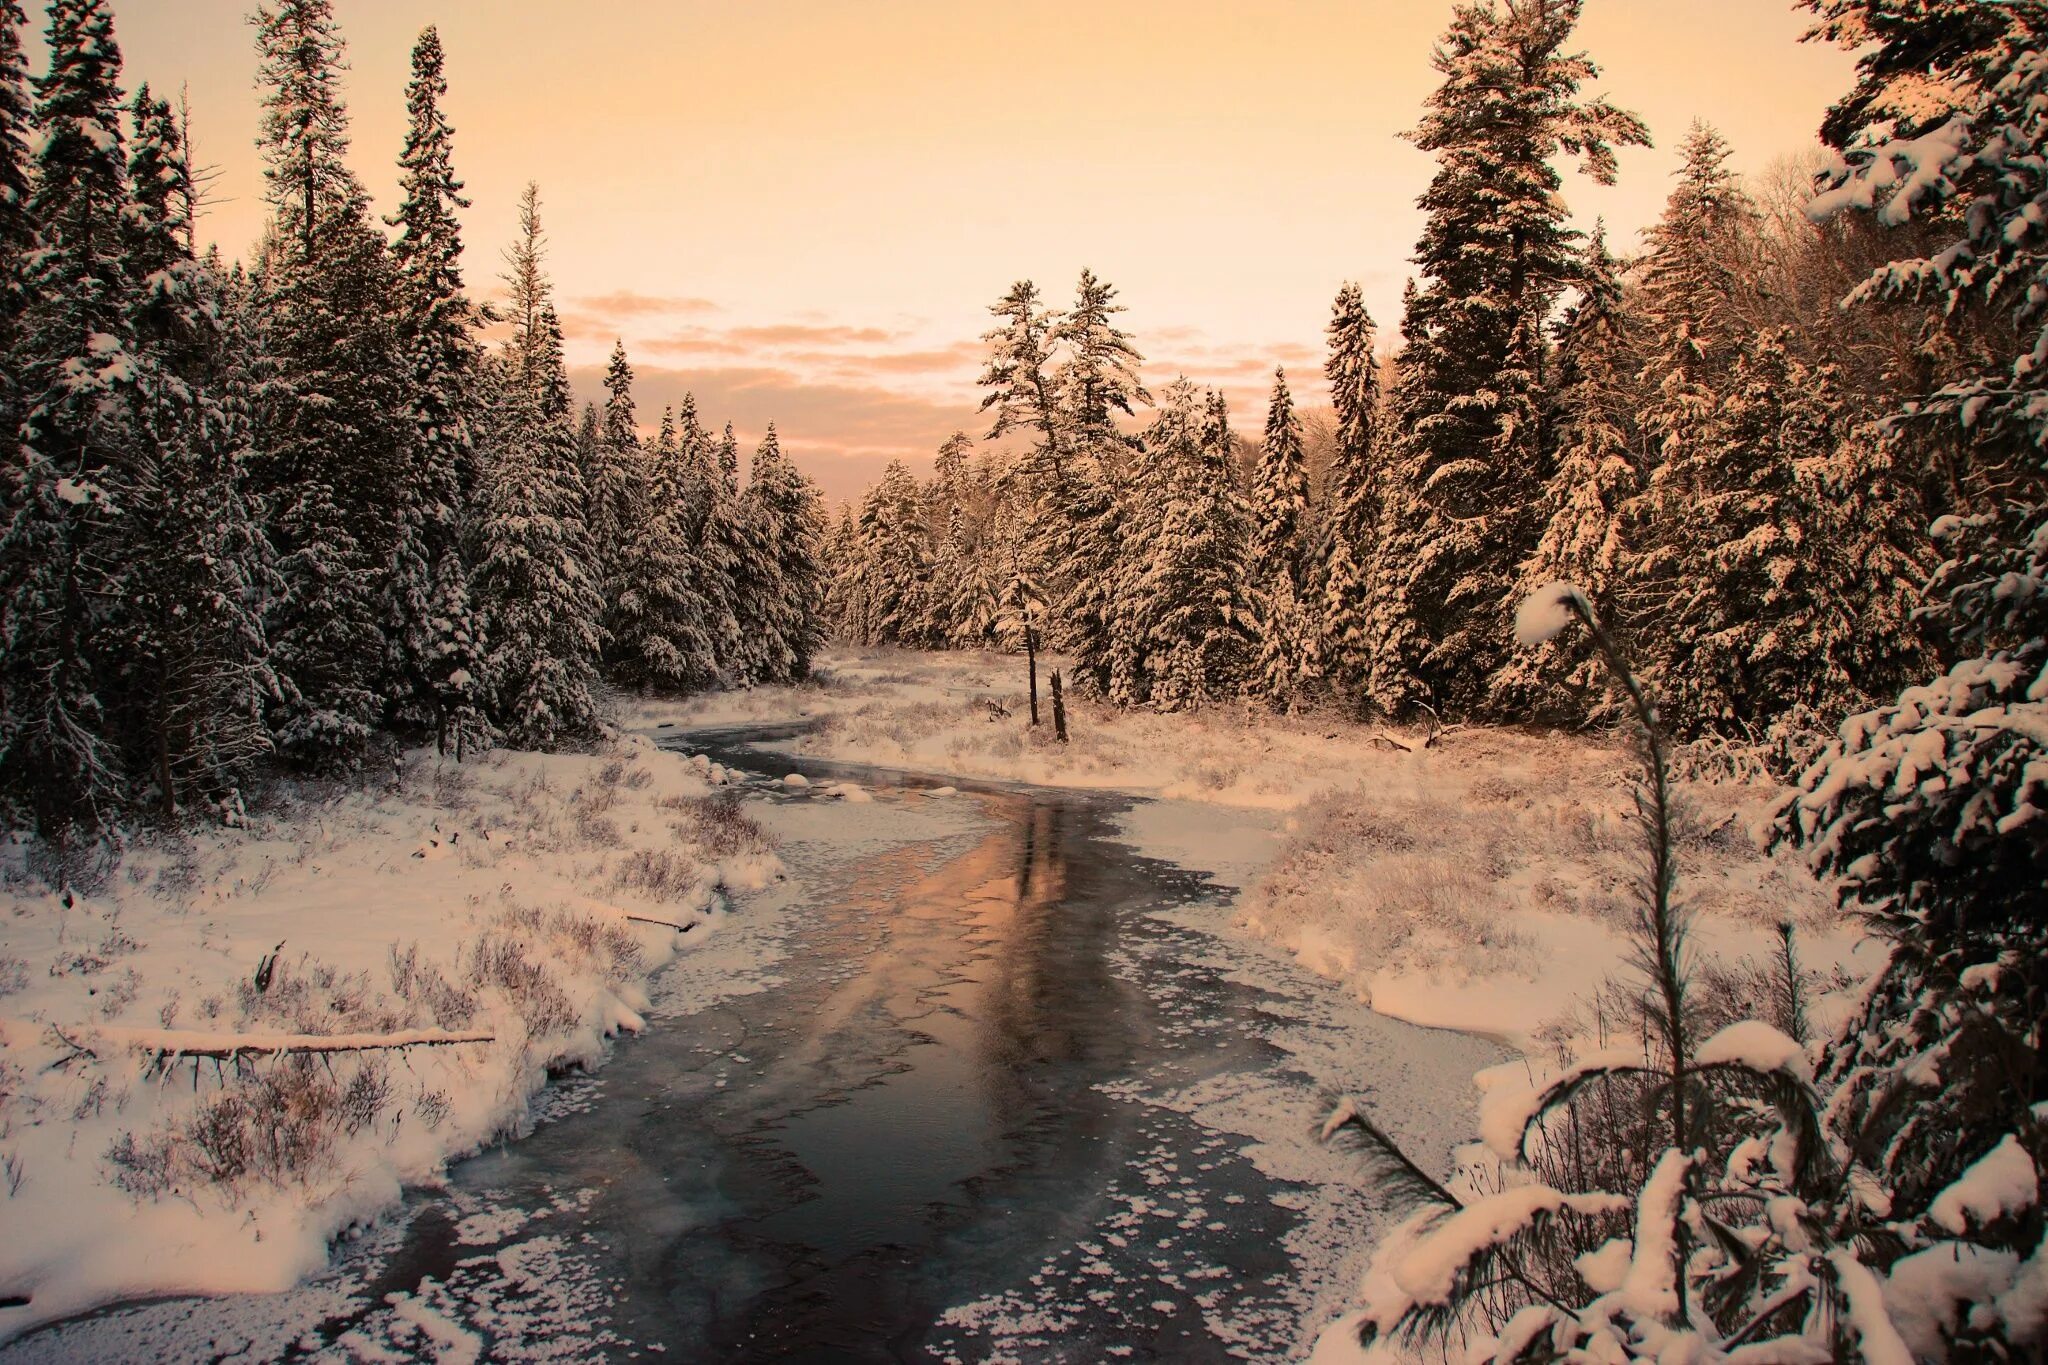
[{"x": 523, "y": 896}]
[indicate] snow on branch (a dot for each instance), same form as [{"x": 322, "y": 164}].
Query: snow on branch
[
  {"x": 1505, "y": 1112},
  {"x": 1430, "y": 1271},
  {"x": 1753, "y": 1044},
  {"x": 1546, "y": 612}
]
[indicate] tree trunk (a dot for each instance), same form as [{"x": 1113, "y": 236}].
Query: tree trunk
[
  {"x": 1031, "y": 658},
  {"x": 1059, "y": 708}
]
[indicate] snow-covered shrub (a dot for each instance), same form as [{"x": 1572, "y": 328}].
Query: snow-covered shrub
[
  {"x": 720, "y": 825},
  {"x": 274, "y": 1124},
  {"x": 1668, "y": 1199}
]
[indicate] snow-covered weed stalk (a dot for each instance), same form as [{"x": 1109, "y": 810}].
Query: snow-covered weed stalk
[{"x": 1680, "y": 1199}]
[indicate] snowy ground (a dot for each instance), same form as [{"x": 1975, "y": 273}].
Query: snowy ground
[
  {"x": 522, "y": 899},
  {"x": 1483, "y": 884},
  {"x": 1479, "y": 885}
]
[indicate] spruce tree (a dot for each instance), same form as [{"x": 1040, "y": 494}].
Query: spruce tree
[
  {"x": 1747, "y": 627},
  {"x": 664, "y": 631},
  {"x": 1494, "y": 255},
  {"x": 535, "y": 586},
  {"x": 431, "y": 636},
  {"x": 197, "y": 671},
  {"x": 1692, "y": 284},
  {"x": 1351, "y": 525},
  {"x": 1595, "y": 478},
  {"x": 710, "y": 529},
  {"x": 1278, "y": 564},
  {"x": 68, "y": 620},
  {"x": 17, "y": 231},
  {"x": 1196, "y": 611},
  {"x": 1928, "y": 809},
  {"x": 616, "y": 472},
  {"x": 333, "y": 432},
  {"x": 783, "y": 507}
]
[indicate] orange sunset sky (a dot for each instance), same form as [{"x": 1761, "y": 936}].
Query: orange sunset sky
[{"x": 801, "y": 209}]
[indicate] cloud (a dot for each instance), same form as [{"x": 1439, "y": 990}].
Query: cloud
[
  {"x": 841, "y": 434},
  {"x": 627, "y": 303}
]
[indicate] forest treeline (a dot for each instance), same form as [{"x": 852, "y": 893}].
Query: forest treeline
[
  {"x": 289, "y": 510},
  {"x": 1792, "y": 460},
  {"x": 1698, "y": 435}
]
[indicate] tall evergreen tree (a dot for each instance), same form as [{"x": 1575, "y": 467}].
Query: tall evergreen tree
[
  {"x": 784, "y": 508},
  {"x": 1021, "y": 385},
  {"x": 333, "y": 431},
  {"x": 664, "y": 629},
  {"x": 615, "y": 472},
  {"x": 1196, "y": 610},
  {"x": 535, "y": 585},
  {"x": 1351, "y": 525},
  {"x": 1692, "y": 285},
  {"x": 431, "y": 635},
  {"x": 1928, "y": 809},
  {"x": 67, "y": 495},
  {"x": 1593, "y": 484},
  {"x": 198, "y": 676},
  {"x": 17, "y": 232},
  {"x": 1278, "y": 561},
  {"x": 1749, "y": 626},
  {"x": 1494, "y": 254},
  {"x": 1095, "y": 376}
]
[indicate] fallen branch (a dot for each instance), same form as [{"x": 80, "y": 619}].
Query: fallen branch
[
  {"x": 666, "y": 924},
  {"x": 1384, "y": 738}
]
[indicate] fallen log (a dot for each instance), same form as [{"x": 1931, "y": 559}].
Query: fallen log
[{"x": 167, "y": 1045}]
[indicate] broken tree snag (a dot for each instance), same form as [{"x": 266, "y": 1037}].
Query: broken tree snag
[
  {"x": 1059, "y": 708},
  {"x": 170, "y": 1045}
]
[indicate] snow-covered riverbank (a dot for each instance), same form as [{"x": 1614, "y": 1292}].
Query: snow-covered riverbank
[{"x": 520, "y": 898}]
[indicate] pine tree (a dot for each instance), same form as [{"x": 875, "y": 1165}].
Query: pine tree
[
  {"x": 1593, "y": 484},
  {"x": 664, "y": 628},
  {"x": 1096, "y": 376},
  {"x": 1928, "y": 809},
  {"x": 1495, "y": 253},
  {"x": 616, "y": 475},
  {"x": 535, "y": 585},
  {"x": 333, "y": 433},
  {"x": 1351, "y": 525},
  {"x": 1747, "y": 627},
  {"x": 783, "y": 507},
  {"x": 1692, "y": 282},
  {"x": 1278, "y": 562},
  {"x": 197, "y": 672},
  {"x": 17, "y": 231},
  {"x": 1020, "y": 382},
  {"x": 67, "y": 493},
  {"x": 431, "y": 636},
  {"x": 1196, "y": 611}
]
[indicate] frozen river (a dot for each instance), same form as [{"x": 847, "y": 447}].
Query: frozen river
[{"x": 979, "y": 1081}]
